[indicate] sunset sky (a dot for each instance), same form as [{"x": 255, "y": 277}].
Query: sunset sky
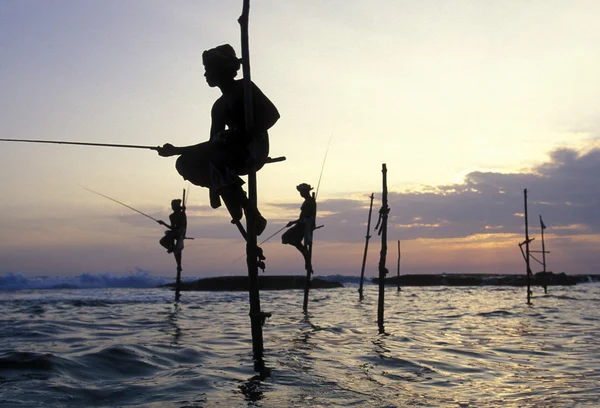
[{"x": 467, "y": 102}]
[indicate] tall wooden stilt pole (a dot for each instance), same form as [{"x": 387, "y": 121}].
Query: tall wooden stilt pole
[
  {"x": 399, "y": 266},
  {"x": 307, "y": 283},
  {"x": 383, "y": 216},
  {"x": 527, "y": 255},
  {"x": 178, "y": 282},
  {"x": 544, "y": 278},
  {"x": 364, "y": 260},
  {"x": 308, "y": 242},
  {"x": 177, "y": 254},
  {"x": 256, "y": 318}
]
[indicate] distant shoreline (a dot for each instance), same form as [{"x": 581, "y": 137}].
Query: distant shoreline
[
  {"x": 539, "y": 279},
  {"x": 287, "y": 282}
]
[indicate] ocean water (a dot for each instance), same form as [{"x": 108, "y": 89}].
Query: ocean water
[{"x": 442, "y": 347}]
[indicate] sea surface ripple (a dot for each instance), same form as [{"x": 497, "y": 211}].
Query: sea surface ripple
[{"x": 442, "y": 347}]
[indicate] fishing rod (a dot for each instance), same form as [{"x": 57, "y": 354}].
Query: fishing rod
[
  {"x": 123, "y": 204},
  {"x": 127, "y": 146},
  {"x": 323, "y": 166},
  {"x": 271, "y": 236},
  {"x": 316, "y": 193},
  {"x": 186, "y": 198},
  {"x": 281, "y": 229},
  {"x": 128, "y": 206}
]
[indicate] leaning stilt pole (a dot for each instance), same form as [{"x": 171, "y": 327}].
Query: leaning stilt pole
[
  {"x": 527, "y": 254},
  {"x": 364, "y": 260},
  {"x": 399, "y": 266},
  {"x": 383, "y": 216},
  {"x": 256, "y": 318}
]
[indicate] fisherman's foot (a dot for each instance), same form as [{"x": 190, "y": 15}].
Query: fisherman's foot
[
  {"x": 215, "y": 200},
  {"x": 233, "y": 203},
  {"x": 260, "y": 224}
]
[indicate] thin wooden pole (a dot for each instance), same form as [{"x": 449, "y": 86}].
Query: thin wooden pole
[
  {"x": 383, "y": 213},
  {"x": 256, "y": 318},
  {"x": 309, "y": 248},
  {"x": 364, "y": 260},
  {"x": 527, "y": 255},
  {"x": 307, "y": 283},
  {"x": 544, "y": 279},
  {"x": 399, "y": 266},
  {"x": 177, "y": 256}
]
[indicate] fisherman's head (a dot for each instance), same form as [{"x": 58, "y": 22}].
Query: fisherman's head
[
  {"x": 176, "y": 204},
  {"x": 220, "y": 64},
  {"x": 304, "y": 189}
]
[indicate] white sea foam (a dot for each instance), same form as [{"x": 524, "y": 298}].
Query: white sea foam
[{"x": 139, "y": 279}]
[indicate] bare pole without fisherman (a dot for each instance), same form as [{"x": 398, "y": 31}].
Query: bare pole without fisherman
[
  {"x": 545, "y": 278},
  {"x": 256, "y": 317},
  {"x": 364, "y": 260},
  {"x": 527, "y": 254},
  {"x": 382, "y": 224},
  {"x": 399, "y": 255}
]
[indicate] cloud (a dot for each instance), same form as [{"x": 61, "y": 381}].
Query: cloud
[{"x": 565, "y": 190}]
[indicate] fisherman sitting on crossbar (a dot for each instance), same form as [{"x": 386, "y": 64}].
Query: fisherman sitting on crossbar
[{"x": 231, "y": 151}]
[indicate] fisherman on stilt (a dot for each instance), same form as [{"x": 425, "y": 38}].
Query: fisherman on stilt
[
  {"x": 300, "y": 235},
  {"x": 231, "y": 151},
  {"x": 172, "y": 241}
]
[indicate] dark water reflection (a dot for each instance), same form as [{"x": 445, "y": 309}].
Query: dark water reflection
[{"x": 441, "y": 347}]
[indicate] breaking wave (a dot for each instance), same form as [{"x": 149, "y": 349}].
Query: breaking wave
[{"x": 139, "y": 279}]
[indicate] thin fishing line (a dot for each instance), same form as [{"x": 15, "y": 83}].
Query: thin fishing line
[
  {"x": 323, "y": 166},
  {"x": 119, "y": 202}
]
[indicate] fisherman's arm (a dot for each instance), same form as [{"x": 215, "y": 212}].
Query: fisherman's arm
[
  {"x": 265, "y": 112},
  {"x": 164, "y": 224},
  {"x": 289, "y": 224},
  {"x": 168, "y": 149},
  {"x": 216, "y": 127}
]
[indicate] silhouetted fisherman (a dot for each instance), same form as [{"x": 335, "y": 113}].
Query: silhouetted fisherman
[
  {"x": 300, "y": 235},
  {"x": 174, "y": 236},
  {"x": 231, "y": 151}
]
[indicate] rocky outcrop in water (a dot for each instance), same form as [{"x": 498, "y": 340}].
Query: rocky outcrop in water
[
  {"x": 443, "y": 279},
  {"x": 240, "y": 283}
]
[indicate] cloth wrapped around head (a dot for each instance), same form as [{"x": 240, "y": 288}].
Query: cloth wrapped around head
[
  {"x": 303, "y": 187},
  {"x": 221, "y": 58}
]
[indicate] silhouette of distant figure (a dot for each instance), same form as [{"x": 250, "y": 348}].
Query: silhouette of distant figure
[
  {"x": 231, "y": 150},
  {"x": 174, "y": 236},
  {"x": 303, "y": 227}
]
